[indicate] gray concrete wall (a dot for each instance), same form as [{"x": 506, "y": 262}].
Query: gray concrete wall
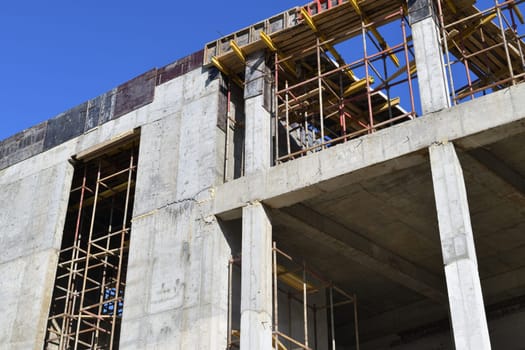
[
  {"x": 31, "y": 222},
  {"x": 177, "y": 276},
  {"x": 176, "y": 296}
]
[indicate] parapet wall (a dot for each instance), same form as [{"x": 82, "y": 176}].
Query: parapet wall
[{"x": 127, "y": 97}]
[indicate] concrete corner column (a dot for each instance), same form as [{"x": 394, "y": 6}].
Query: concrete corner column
[
  {"x": 431, "y": 74},
  {"x": 258, "y": 135},
  {"x": 256, "y": 279},
  {"x": 467, "y": 311}
]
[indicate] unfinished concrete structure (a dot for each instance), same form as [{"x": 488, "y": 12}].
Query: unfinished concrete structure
[{"x": 343, "y": 175}]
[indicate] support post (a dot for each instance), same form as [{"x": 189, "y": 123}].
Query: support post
[
  {"x": 256, "y": 279},
  {"x": 469, "y": 323},
  {"x": 431, "y": 73},
  {"x": 258, "y": 118}
]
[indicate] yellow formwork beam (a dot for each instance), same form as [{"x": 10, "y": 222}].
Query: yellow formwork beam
[
  {"x": 238, "y": 51},
  {"x": 268, "y": 42},
  {"x": 308, "y": 19},
  {"x": 465, "y": 34},
  {"x": 310, "y": 22},
  {"x": 356, "y": 7},
  {"x": 451, "y": 6},
  {"x": 399, "y": 72},
  {"x": 383, "y": 107},
  {"x": 384, "y": 46},
  {"x": 292, "y": 280},
  {"x": 358, "y": 85},
  {"x": 375, "y": 32},
  {"x": 518, "y": 13},
  {"x": 387, "y": 105},
  {"x": 215, "y": 61},
  {"x": 219, "y": 65},
  {"x": 272, "y": 47}
]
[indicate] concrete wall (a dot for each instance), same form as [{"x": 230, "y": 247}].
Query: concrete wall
[
  {"x": 33, "y": 205},
  {"x": 176, "y": 296},
  {"x": 177, "y": 275}
]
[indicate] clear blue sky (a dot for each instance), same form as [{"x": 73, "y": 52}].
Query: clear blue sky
[{"x": 57, "y": 54}]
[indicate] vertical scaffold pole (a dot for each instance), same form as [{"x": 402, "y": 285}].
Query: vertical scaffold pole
[
  {"x": 275, "y": 298},
  {"x": 320, "y": 87}
]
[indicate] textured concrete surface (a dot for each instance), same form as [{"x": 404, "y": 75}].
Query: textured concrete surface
[
  {"x": 31, "y": 222},
  {"x": 177, "y": 171},
  {"x": 257, "y": 121},
  {"x": 176, "y": 295},
  {"x": 431, "y": 74},
  {"x": 467, "y": 310},
  {"x": 256, "y": 279}
]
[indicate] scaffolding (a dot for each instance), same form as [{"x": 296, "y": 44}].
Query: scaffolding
[
  {"x": 484, "y": 49},
  {"x": 329, "y": 102},
  {"x": 320, "y": 99},
  {"x": 302, "y": 300},
  {"x": 346, "y": 68},
  {"x": 88, "y": 296}
]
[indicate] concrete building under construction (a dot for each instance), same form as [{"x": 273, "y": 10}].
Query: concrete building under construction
[{"x": 348, "y": 174}]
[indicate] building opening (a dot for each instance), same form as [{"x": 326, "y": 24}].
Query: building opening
[{"x": 88, "y": 296}]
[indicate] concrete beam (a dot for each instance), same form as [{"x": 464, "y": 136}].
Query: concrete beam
[
  {"x": 394, "y": 321},
  {"x": 500, "y": 287},
  {"x": 256, "y": 279},
  {"x": 362, "y": 250},
  {"x": 467, "y": 311},
  {"x": 379, "y": 153},
  {"x": 500, "y": 169},
  {"x": 409, "y": 316},
  {"x": 509, "y": 183}
]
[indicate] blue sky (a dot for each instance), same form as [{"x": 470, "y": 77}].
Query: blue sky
[{"x": 57, "y": 54}]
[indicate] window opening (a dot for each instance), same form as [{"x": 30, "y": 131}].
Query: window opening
[{"x": 88, "y": 296}]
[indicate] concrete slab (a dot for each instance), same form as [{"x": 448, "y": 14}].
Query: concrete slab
[{"x": 379, "y": 153}]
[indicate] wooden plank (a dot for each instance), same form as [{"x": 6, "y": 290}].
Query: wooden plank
[{"x": 333, "y": 22}]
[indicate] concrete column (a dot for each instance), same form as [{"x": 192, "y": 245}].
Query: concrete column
[
  {"x": 256, "y": 279},
  {"x": 258, "y": 135},
  {"x": 432, "y": 77},
  {"x": 467, "y": 311}
]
